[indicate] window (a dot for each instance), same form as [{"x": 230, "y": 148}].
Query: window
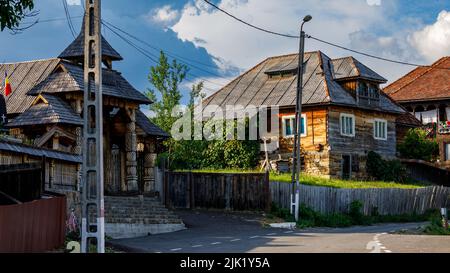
[
  {"x": 288, "y": 126},
  {"x": 368, "y": 94},
  {"x": 347, "y": 124},
  {"x": 380, "y": 129}
]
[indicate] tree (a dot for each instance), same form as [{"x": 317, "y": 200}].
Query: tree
[
  {"x": 416, "y": 145},
  {"x": 166, "y": 78},
  {"x": 13, "y": 11}
]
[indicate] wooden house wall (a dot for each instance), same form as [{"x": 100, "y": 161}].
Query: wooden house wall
[
  {"x": 363, "y": 141},
  {"x": 315, "y": 155}
]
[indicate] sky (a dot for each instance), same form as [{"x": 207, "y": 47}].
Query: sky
[{"x": 217, "y": 48}]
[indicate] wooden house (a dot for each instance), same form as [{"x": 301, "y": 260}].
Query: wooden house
[
  {"x": 425, "y": 93},
  {"x": 345, "y": 115},
  {"x": 45, "y": 110}
]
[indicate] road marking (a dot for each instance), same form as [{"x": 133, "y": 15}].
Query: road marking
[
  {"x": 253, "y": 237},
  {"x": 288, "y": 232},
  {"x": 175, "y": 249},
  {"x": 376, "y": 246},
  {"x": 216, "y": 243},
  {"x": 271, "y": 234},
  {"x": 197, "y": 246},
  {"x": 234, "y": 240}
]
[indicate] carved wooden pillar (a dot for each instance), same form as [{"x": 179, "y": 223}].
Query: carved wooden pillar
[
  {"x": 131, "y": 150},
  {"x": 51, "y": 173},
  {"x": 149, "y": 160}
]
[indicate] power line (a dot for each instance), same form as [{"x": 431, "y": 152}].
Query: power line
[
  {"x": 323, "y": 41},
  {"x": 150, "y": 56},
  {"x": 69, "y": 20},
  {"x": 173, "y": 55},
  {"x": 251, "y": 25}
]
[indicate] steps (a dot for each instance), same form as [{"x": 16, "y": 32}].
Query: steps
[{"x": 129, "y": 216}]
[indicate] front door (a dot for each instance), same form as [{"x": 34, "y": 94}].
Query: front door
[
  {"x": 346, "y": 166},
  {"x": 116, "y": 177}
]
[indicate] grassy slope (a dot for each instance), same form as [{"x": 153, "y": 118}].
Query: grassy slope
[{"x": 324, "y": 182}]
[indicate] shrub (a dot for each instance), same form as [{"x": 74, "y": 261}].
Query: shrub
[
  {"x": 416, "y": 145},
  {"x": 385, "y": 170}
]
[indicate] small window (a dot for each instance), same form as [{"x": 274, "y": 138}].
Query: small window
[
  {"x": 347, "y": 124},
  {"x": 288, "y": 126},
  {"x": 380, "y": 129}
]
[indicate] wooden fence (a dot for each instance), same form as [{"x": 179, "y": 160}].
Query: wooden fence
[
  {"x": 426, "y": 171},
  {"x": 243, "y": 191},
  {"x": 385, "y": 201},
  {"x": 35, "y": 226}
]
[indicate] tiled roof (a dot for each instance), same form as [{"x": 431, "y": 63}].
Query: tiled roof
[
  {"x": 148, "y": 127},
  {"x": 423, "y": 83},
  {"x": 76, "y": 49},
  {"x": 47, "y": 109},
  {"x": 23, "y": 76},
  {"x": 256, "y": 88},
  {"x": 71, "y": 79},
  {"x": 408, "y": 119},
  {"x": 38, "y": 152}
]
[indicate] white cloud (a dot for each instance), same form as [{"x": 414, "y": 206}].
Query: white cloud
[
  {"x": 374, "y": 2},
  {"x": 433, "y": 41},
  {"x": 164, "y": 15},
  {"x": 74, "y": 2},
  {"x": 353, "y": 23},
  {"x": 243, "y": 47}
]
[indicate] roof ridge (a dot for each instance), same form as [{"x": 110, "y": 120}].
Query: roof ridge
[
  {"x": 32, "y": 61},
  {"x": 427, "y": 69}
]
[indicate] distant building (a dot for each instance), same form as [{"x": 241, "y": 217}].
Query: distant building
[
  {"x": 345, "y": 115},
  {"x": 425, "y": 93}
]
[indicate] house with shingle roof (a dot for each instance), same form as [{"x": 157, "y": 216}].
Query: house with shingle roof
[
  {"x": 425, "y": 93},
  {"x": 344, "y": 113},
  {"x": 45, "y": 109}
]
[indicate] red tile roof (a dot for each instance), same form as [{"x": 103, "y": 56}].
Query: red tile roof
[{"x": 423, "y": 83}]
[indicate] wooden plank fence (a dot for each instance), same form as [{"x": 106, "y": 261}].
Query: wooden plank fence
[
  {"x": 243, "y": 191},
  {"x": 36, "y": 226},
  {"x": 386, "y": 201}
]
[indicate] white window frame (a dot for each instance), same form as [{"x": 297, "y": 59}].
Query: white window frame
[
  {"x": 341, "y": 125},
  {"x": 292, "y": 118},
  {"x": 375, "y": 121}
]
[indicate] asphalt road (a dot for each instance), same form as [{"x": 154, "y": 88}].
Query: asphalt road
[{"x": 218, "y": 232}]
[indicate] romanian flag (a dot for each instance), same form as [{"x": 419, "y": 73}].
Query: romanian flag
[{"x": 7, "y": 86}]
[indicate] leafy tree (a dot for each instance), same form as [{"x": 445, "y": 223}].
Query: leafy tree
[
  {"x": 13, "y": 11},
  {"x": 416, "y": 145},
  {"x": 166, "y": 78},
  {"x": 385, "y": 170}
]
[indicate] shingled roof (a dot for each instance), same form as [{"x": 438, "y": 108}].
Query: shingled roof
[
  {"x": 349, "y": 67},
  {"x": 148, "y": 127},
  {"x": 47, "y": 109},
  {"x": 255, "y": 87},
  {"x": 423, "y": 83},
  {"x": 70, "y": 78},
  {"x": 76, "y": 49},
  {"x": 23, "y": 76}
]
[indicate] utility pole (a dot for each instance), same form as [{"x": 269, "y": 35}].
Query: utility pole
[
  {"x": 296, "y": 156},
  {"x": 93, "y": 220}
]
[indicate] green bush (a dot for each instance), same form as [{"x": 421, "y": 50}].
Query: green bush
[
  {"x": 385, "y": 170},
  {"x": 416, "y": 145}
]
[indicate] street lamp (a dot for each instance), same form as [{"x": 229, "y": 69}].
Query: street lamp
[{"x": 296, "y": 161}]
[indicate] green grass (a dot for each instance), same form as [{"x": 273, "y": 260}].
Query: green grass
[
  {"x": 347, "y": 184},
  {"x": 322, "y": 182}
]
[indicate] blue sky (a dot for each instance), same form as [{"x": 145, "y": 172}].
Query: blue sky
[{"x": 399, "y": 29}]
